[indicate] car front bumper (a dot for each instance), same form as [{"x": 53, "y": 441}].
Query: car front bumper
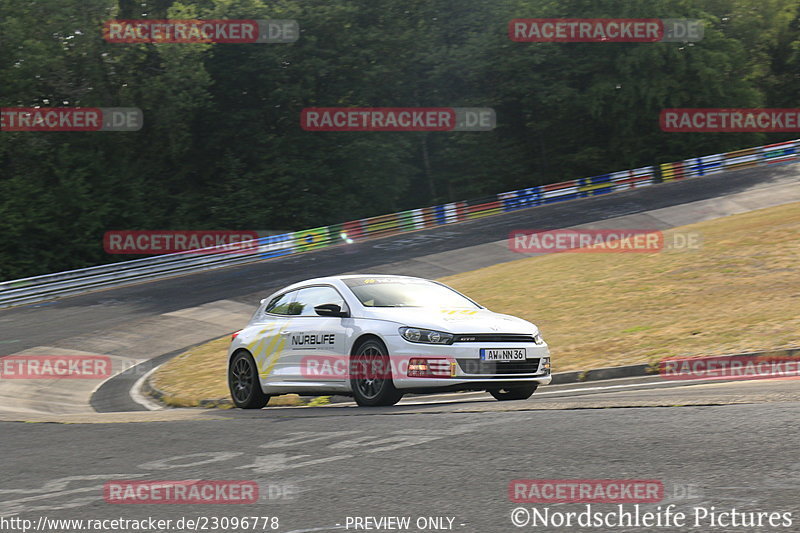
[{"x": 460, "y": 366}]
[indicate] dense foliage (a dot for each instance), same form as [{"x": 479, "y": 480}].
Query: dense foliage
[{"x": 222, "y": 147}]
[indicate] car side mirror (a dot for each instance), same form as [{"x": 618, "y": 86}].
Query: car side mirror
[{"x": 331, "y": 310}]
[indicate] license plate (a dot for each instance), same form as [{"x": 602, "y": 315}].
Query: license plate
[{"x": 503, "y": 354}]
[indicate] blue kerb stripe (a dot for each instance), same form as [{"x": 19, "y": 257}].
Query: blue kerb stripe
[
  {"x": 440, "y": 215},
  {"x": 275, "y": 239},
  {"x": 523, "y": 198},
  {"x": 594, "y": 180}
]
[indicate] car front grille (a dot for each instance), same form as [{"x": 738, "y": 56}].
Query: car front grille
[
  {"x": 491, "y": 368},
  {"x": 493, "y": 337}
]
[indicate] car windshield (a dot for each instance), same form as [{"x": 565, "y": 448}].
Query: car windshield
[{"x": 393, "y": 292}]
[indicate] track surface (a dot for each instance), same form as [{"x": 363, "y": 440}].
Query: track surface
[
  {"x": 721, "y": 448},
  {"x": 721, "y": 444}
]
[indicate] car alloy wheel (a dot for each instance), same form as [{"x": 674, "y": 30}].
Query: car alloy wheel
[
  {"x": 244, "y": 384},
  {"x": 371, "y": 375}
]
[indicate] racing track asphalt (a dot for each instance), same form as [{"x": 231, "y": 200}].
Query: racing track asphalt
[
  {"x": 726, "y": 445},
  {"x": 721, "y": 444}
]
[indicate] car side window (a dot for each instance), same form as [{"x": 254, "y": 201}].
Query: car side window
[
  {"x": 310, "y": 297},
  {"x": 282, "y": 305}
]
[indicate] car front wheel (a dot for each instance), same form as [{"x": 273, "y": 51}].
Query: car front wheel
[
  {"x": 371, "y": 375},
  {"x": 517, "y": 392},
  {"x": 244, "y": 384}
]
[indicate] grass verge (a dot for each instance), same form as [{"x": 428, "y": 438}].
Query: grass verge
[
  {"x": 740, "y": 291},
  {"x": 200, "y": 374}
]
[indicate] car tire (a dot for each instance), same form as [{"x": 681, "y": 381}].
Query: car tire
[
  {"x": 517, "y": 392},
  {"x": 371, "y": 375},
  {"x": 244, "y": 384}
]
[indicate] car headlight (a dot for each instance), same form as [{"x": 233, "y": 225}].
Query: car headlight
[
  {"x": 538, "y": 339},
  {"x": 426, "y": 336}
]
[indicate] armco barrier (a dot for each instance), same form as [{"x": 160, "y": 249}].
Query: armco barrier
[
  {"x": 785, "y": 152},
  {"x": 51, "y": 286}
]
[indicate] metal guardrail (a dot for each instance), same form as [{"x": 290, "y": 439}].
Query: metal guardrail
[{"x": 72, "y": 282}]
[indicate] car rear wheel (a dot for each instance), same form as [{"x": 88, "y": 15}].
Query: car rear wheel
[
  {"x": 244, "y": 384},
  {"x": 517, "y": 392},
  {"x": 371, "y": 375}
]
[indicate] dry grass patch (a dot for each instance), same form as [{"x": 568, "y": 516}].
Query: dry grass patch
[
  {"x": 201, "y": 374},
  {"x": 740, "y": 291}
]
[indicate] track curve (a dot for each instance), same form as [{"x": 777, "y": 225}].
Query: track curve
[
  {"x": 142, "y": 322},
  {"x": 447, "y": 457}
]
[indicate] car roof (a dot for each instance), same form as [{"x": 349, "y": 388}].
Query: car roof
[{"x": 331, "y": 279}]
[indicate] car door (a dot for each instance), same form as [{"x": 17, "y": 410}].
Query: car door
[
  {"x": 269, "y": 345},
  {"x": 315, "y": 345}
]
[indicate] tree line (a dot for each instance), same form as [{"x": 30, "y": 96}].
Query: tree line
[{"x": 222, "y": 146}]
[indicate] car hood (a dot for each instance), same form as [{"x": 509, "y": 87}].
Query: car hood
[{"x": 452, "y": 320}]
